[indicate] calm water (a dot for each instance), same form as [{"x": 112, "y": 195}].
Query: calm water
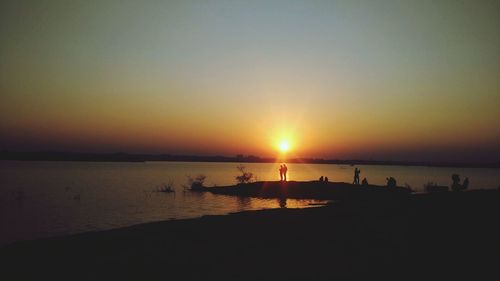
[{"x": 41, "y": 199}]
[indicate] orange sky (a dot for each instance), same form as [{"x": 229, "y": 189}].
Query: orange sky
[{"x": 338, "y": 79}]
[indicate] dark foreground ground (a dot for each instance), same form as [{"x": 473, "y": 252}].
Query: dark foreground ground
[{"x": 442, "y": 235}]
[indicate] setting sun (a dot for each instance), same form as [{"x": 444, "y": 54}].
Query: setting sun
[{"x": 284, "y": 146}]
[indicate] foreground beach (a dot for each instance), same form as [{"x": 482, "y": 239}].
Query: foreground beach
[{"x": 425, "y": 235}]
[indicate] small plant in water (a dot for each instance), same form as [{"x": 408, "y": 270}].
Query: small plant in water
[
  {"x": 167, "y": 187},
  {"x": 195, "y": 183},
  {"x": 244, "y": 177}
]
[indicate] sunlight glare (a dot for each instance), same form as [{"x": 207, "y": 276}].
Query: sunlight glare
[{"x": 284, "y": 146}]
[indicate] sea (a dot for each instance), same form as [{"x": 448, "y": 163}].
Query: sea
[{"x": 45, "y": 199}]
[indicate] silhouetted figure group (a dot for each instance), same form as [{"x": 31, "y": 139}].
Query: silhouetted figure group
[
  {"x": 323, "y": 179},
  {"x": 356, "y": 175},
  {"x": 456, "y": 186},
  {"x": 283, "y": 171},
  {"x": 391, "y": 182}
]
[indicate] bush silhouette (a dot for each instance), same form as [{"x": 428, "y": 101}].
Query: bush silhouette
[
  {"x": 195, "y": 183},
  {"x": 245, "y": 177}
]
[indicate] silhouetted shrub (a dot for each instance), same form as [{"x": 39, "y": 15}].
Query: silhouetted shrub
[
  {"x": 166, "y": 187},
  {"x": 245, "y": 177},
  {"x": 195, "y": 183}
]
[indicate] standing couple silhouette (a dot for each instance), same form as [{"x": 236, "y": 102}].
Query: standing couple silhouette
[{"x": 283, "y": 170}]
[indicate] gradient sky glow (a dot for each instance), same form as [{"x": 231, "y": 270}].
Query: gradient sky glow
[{"x": 390, "y": 80}]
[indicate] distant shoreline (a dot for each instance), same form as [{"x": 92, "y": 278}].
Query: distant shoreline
[{"x": 126, "y": 157}]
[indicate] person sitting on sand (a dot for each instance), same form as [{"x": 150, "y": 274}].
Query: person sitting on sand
[
  {"x": 326, "y": 179},
  {"x": 321, "y": 179},
  {"x": 285, "y": 169},
  {"x": 456, "y": 186},
  {"x": 364, "y": 181},
  {"x": 391, "y": 182}
]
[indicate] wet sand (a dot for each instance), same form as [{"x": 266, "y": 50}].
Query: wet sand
[{"x": 440, "y": 235}]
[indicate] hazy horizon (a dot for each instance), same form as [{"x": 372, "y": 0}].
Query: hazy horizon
[{"x": 384, "y": 80}]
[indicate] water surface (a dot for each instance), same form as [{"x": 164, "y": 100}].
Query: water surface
[{"x": 41, "y": 199}]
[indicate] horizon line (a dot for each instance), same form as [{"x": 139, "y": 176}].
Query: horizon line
[{"x": 54, "y": 155}]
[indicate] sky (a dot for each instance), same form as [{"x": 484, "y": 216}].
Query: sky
[{"x": 385, "y": 80}]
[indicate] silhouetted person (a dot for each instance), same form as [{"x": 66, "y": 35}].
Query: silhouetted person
[
  {"x": 326, "y": 179},
  {"x": 285, "y": 169},
  {"x": 281, "y": 172},
  {"x": 364, "y": 181},
  {"x": 356, "y": 175},
  {"x": 391, "y": 182},
  {"x": 455, "y": 186},
  {"x": 465, "y": 185},
  {"x": 321, "y": 178}
]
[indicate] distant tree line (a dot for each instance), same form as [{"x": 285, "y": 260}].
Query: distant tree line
[{"x": 127, "y": 157}]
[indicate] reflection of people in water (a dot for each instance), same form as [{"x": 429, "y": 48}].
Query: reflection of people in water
[
  {"x": 285, "y": 169},
  {"x": 243, "y": 203},
  {"x": 281, "y": 172},
  {"x": 282, "y": 202},
  {"x": 356, "y": 175}
]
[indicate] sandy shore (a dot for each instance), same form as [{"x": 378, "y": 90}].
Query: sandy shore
[
  {"x": 310, "y": 190},
  {"x": 445, "y": 235}
]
